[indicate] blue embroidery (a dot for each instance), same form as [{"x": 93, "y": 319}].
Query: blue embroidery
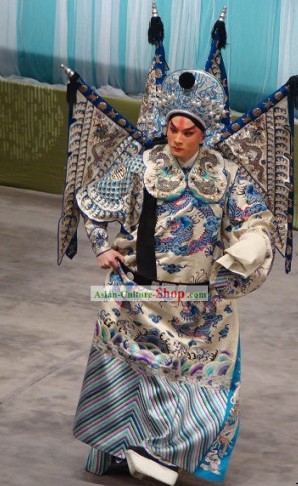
[
  {"x": 155, "y": 318},
  {"x": 181, "y": 241},
  {"x": 172, "y": 268}
]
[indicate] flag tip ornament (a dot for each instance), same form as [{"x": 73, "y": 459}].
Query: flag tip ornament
[
  {"x": 67, "y": 70},
  {"x": 156, "y": 29},
  {"x": 223, "y": 14},
  {"x": 219, "y": 30}
]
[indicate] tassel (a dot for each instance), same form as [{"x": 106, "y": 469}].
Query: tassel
[
  {"x": 71, "y": 92},
  {"x": 293, "y": 90},
  {"x": 219, "y": 30},
  {"x": 156, "y": 29},
  {"x": 187, "y": 80}
]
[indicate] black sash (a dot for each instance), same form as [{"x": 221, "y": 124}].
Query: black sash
[{"x": 145, "y": 248}]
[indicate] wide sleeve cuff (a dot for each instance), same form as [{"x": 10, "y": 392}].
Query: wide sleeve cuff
[{"x": 245, "y": 256}]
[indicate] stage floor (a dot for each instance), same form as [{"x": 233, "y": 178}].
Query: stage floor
[{"x": 47, "y": 323}]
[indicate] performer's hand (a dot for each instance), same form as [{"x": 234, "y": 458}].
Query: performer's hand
[{"x": 109, "y": 258}]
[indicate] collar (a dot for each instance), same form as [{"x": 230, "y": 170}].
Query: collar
[
  {"x": 189, "y": 163},
  {"x": 165, "y": 179}
]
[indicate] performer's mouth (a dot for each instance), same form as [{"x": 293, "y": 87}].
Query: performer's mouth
[{"x": 177, "y": 149}]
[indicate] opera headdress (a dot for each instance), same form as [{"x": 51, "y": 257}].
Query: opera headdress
[{"x": 197, "y": 94}]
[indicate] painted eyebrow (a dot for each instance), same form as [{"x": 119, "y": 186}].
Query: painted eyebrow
[{"x": 185, "y": 129}]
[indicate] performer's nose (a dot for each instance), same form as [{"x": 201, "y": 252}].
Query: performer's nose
[{"x": 178, "y": 138}]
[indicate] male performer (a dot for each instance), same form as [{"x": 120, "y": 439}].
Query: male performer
[{"x": 162, "y": 382}]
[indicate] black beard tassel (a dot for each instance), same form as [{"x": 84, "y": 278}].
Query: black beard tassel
[
  {"x": 293, "y": 90},
  {"x": 219, "y": 30},
  {"x": 155, "y": 31}
]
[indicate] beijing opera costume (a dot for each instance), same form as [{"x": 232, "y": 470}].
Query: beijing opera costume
[{"x": 162, "y": 380}]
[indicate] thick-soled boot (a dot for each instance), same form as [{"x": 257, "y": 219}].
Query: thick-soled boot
[
  {"x": 142, "y": 464},
  {"x": 101, "y": 463}
]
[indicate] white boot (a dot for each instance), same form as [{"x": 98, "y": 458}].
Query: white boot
[{"x": 141, "y": 464}]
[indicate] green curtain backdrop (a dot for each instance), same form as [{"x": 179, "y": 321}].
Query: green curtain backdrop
[{"x": 33, "y": 134}]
